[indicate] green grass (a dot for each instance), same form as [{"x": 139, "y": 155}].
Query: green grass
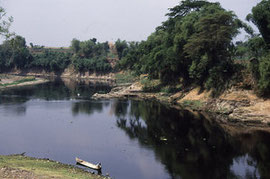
[
  {"x": 150, "y": 85},
  {"x": 126, "y": 77},
  {"x": 19, "y": 81},
  {"x": 45, "y": 168},
  {"x": 193, "y": 104},
  {"x": 171, "y": 89}
]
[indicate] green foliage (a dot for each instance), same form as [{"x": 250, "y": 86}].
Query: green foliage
[
  {"x": 261, "y": 18},
  {"x": 44, "y": 168},
  {"x": 209, "y": 45},
  {"x": 240, "y": 51},
  {"x": 98, "y": 64},
  {"x": 5, "y": 23},
  {"x": 14, "y": 53},
  {"x": 218, "y": 77},
  {"x": 51, "y": 60},
  {"x": 191, "y": 45},
  {"x": 193, "y": 104},
  {"x": 19, "y": 81},
  {"x": 90, "y": 55},
  {"x": 264, "y": 81},
  {"x": 150, "y": 85},
  {"x": 171, "y": 89},
  {"x": 256, "y": 46},
  {"x": 126, "y": 77},
  {"x": 89, "y": 48},
  {"x": 121, "y": 47}
]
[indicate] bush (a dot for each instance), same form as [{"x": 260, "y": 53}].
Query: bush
[
  {"x": 171, "y": 89},
  {"x": 126, "y": 77},
  {"x": 264, "y": 81},
  {"x": 150, "y": 85}
]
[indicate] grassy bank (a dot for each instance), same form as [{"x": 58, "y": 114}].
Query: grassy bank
[
  {"x": 13, "y": 81},
  {"x": 27, "y": 79},
  {"x": 40, "y": 168}
]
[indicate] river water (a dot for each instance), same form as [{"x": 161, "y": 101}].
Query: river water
[{"x": 132, "y": 139}]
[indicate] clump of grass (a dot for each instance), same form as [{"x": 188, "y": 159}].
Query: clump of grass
[
  {"x": 150, "y": 85},
  {"x": 171, "y": 89},
  {"x": 194, "y": 104},
  {"x": 19, "y": 81},
  {"x": 126, "y": 77}
]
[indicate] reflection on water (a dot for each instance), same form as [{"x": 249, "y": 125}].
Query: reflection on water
[
  {"x": 191, "y": 146},
  {"x": 132, "y": 139}
]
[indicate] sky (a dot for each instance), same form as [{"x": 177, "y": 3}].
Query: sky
[{"x": 54, "y": 23}]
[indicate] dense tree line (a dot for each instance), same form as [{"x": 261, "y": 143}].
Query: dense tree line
[
  {"x": 90, "y": 55},
  {"x": 195, "y": 46},
  {"x": 85, "y": 56},
  {"x": 260, "y": 16},
  {"x": 51, "y": 61},
  {"x": 14, "y": 54}
]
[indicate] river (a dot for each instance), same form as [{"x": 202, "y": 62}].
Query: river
[{"x": 132, "y": 139}]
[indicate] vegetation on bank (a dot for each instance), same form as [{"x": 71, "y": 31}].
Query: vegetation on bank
[
  {"x": 44, "y": 168},
  {"x": 16, "y": 82},
  {"x": 90, "y": 55},
  {"x": 195, "y": 47},
  {"x": 84, "y": 56}
]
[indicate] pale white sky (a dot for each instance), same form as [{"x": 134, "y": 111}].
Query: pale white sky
[{"x": 57, "y": 22}]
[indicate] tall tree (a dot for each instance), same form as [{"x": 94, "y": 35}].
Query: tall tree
[
  {"x": 261, "y": 18},
  {"x": 5, "y": 23},
  {"x": 208, "y": 46}
]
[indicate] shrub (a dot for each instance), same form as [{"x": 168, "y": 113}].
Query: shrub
[
  {"x": 151, "y": 85},
  {"x": 264, "y": 81},
  {"x": 126, "y": 77},
  {"x": 219, "y": 78}
]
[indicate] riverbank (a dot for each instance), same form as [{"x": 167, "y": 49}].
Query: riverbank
[
  {"x": 13, "y": 81},
  {"x": 234, "y": 105},
  {"x": 18, "y": 166},
  {"x": 69, "y": 72}
]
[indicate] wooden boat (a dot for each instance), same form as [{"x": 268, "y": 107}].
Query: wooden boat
[{"x": 89, "y": 165}]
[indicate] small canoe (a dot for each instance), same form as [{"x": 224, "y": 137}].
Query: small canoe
[{"x": 89, "y": 165}]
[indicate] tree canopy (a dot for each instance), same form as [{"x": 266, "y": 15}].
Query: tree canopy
[
  {"x": 193, "y": 45},
  {"x": 5, "y": 23},
  {"x": 260, "y": 16},
  {"x": 90, "y": 55}
]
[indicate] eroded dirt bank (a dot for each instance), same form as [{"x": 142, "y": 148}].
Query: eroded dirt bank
[{"x": 69, "y": 72}]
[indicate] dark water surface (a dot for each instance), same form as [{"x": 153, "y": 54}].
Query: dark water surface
[{"x": 132, "y": 139}]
